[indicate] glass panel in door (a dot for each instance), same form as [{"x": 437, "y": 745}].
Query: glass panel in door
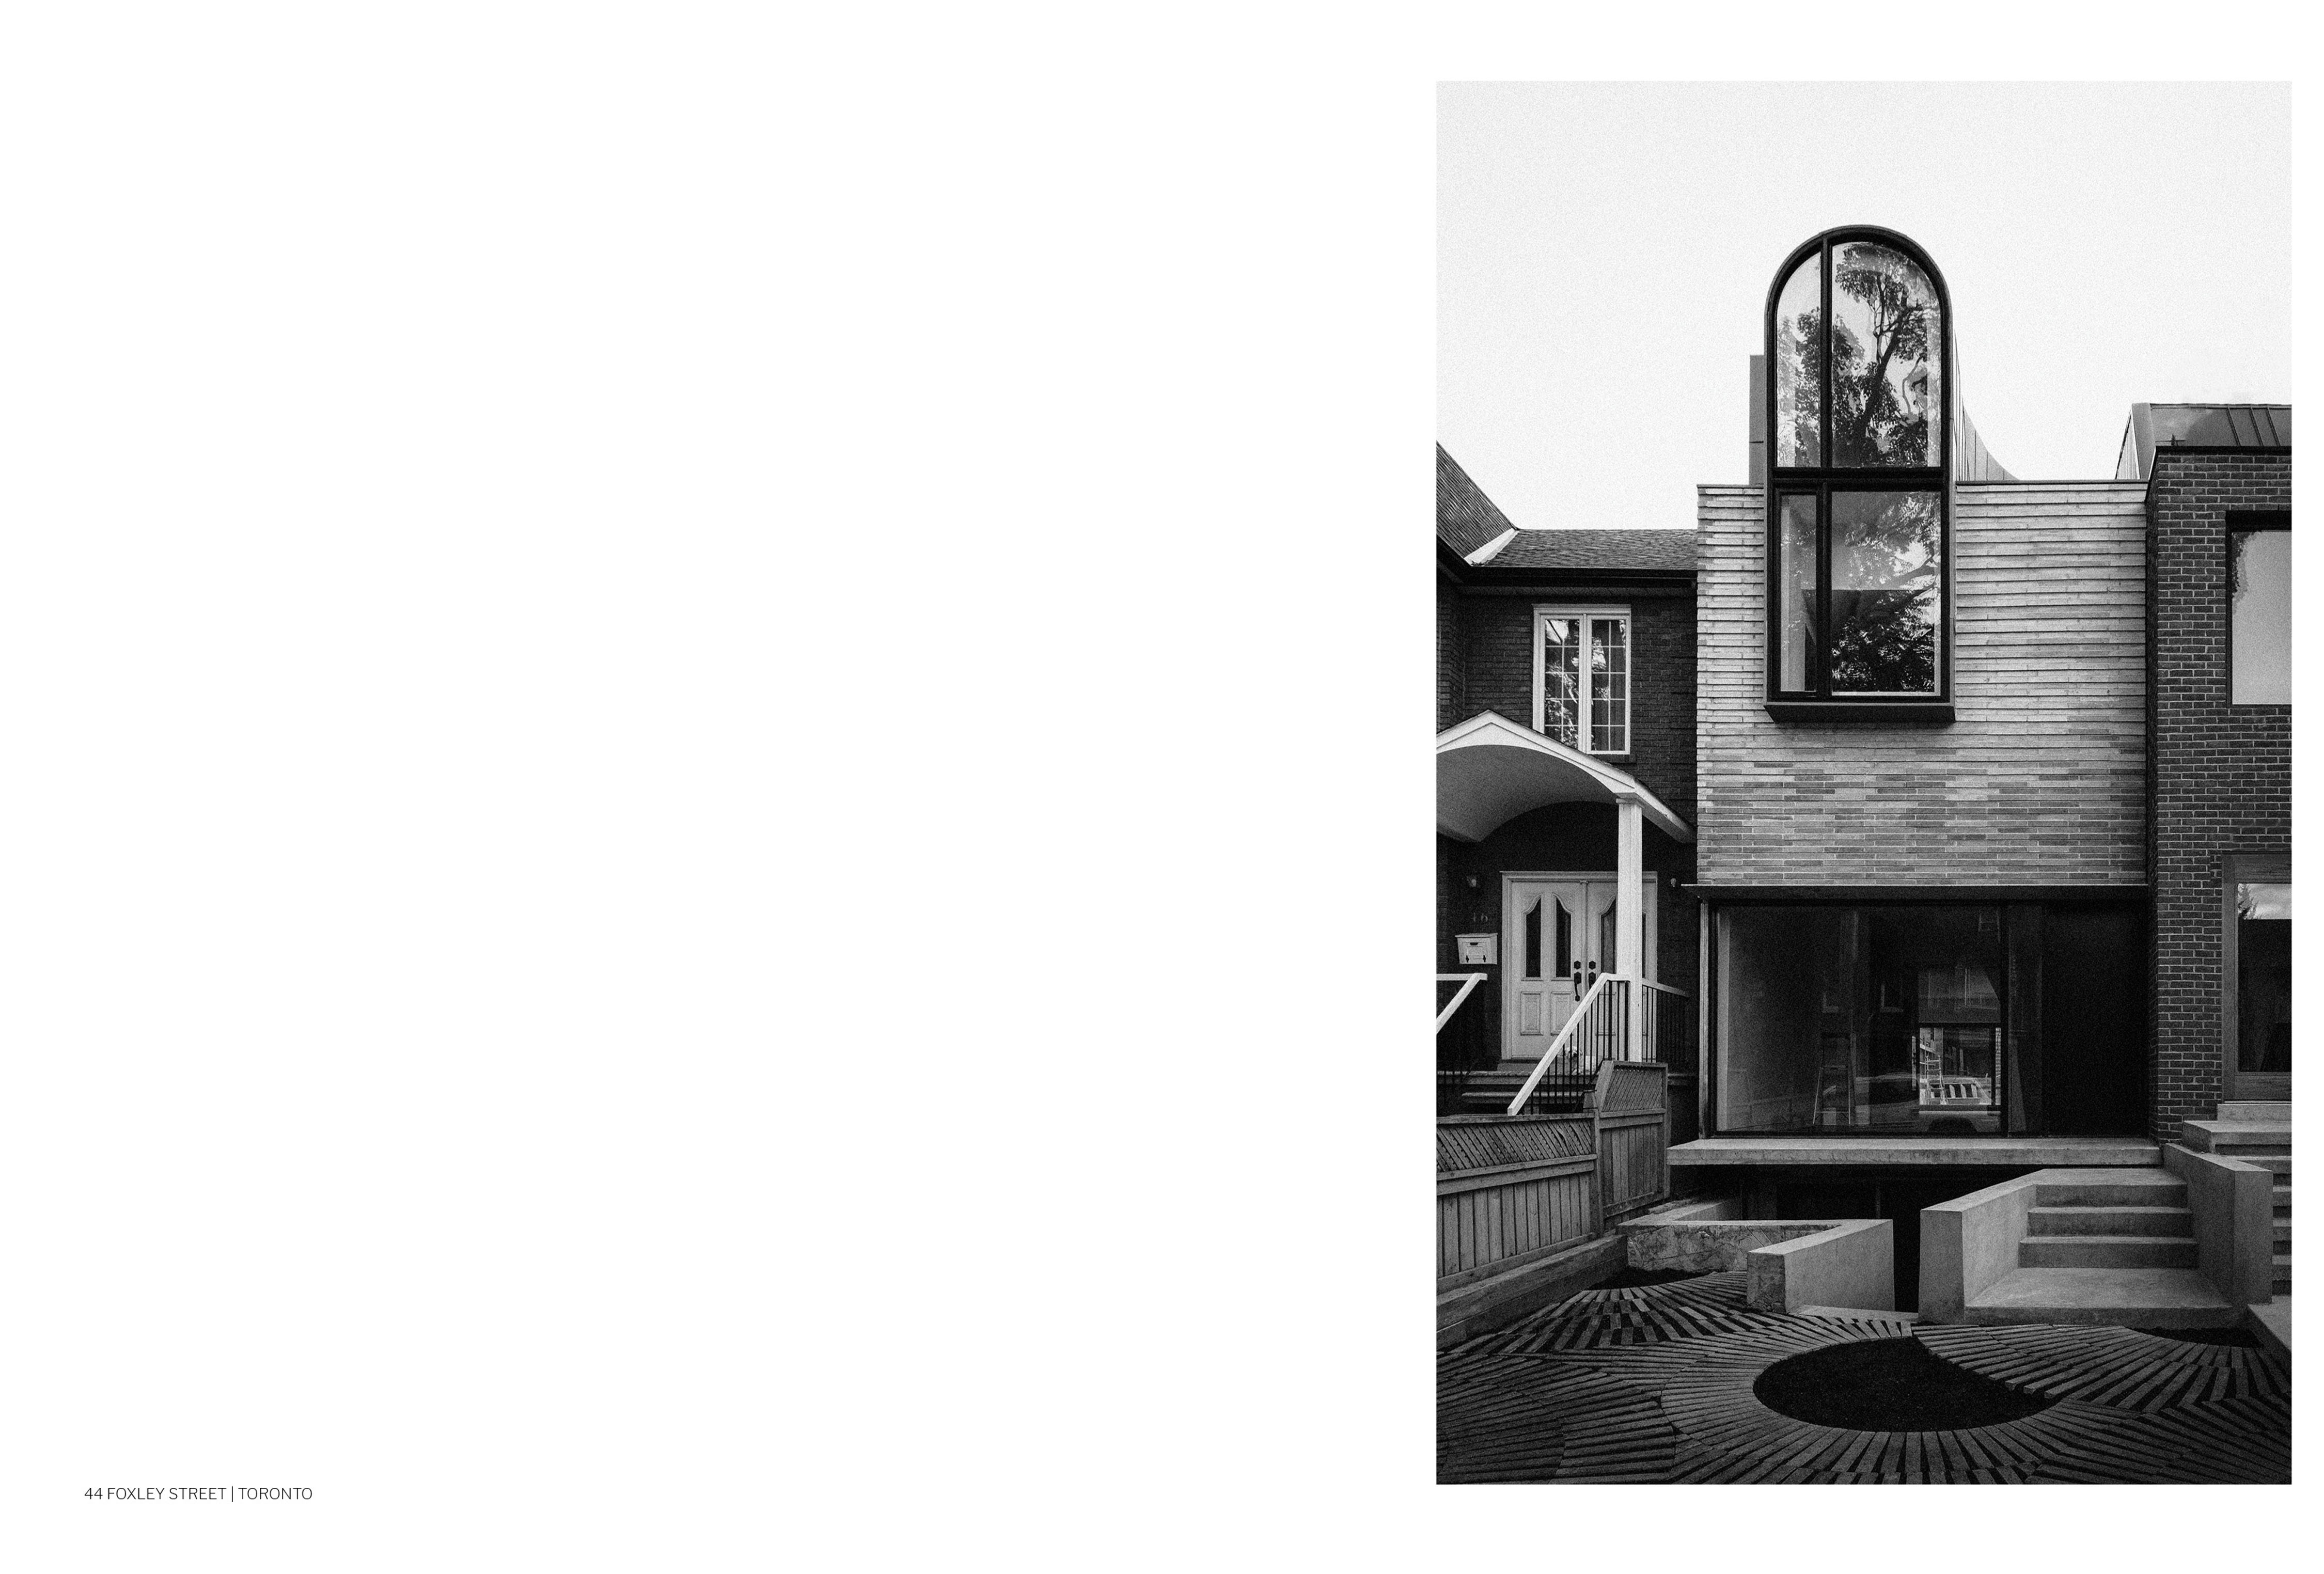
[
  {"x": 2263, "y": 978},
  {"x": 1545, "y": 924}
]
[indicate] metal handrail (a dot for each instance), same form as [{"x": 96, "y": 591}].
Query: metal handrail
[
  {"x": 1474, "y": 981},
  {"x": 1557, "y": 1045}
]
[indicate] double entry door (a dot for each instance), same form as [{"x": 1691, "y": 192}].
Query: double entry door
[{"x": 1557, "y": 937}]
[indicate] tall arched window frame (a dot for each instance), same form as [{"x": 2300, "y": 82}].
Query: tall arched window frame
[{"x": 1861, "y": 415}]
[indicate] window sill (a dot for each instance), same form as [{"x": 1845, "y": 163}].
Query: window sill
[{"x": 1896, "y": 713}]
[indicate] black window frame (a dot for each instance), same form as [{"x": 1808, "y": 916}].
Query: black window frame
[{"x": 1818, "y": 702}]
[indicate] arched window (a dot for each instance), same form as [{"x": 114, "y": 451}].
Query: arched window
[{"x": 1858, "y": 496}]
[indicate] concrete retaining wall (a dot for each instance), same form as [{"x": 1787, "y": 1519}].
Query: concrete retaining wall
[
  {"x": 2234, "y": 1221},
  {"x": 1969, "y": 1243},
  {"x": 1850, "y": 1265}
]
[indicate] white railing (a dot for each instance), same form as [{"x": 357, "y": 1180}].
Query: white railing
[
  {"x": 1564, "y": 1046},
  {"x": 1608, "y": 1024},
  {"x": 1468, "y": 983}
]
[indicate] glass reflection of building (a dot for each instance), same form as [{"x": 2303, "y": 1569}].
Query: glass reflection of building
[{"x": 1861, "y": 1018}]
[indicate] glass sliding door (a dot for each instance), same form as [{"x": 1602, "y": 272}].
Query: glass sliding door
[{"x": 1846, "y": 1018}]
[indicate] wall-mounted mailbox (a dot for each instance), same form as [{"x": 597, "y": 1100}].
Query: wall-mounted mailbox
[{"x": 1479, "y": 950}]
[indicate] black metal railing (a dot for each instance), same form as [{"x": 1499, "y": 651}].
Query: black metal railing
[{"x": 1598, "y": 1031}]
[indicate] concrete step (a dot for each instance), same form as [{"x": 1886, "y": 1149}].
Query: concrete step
[
  {"x": 2235, "y": 1137},
  {"x": 2283, "y": 1235},
  {"x": 2255, "y": 1109},
  {"x": 2282, "y": 1200},
  {"x": 2178, "y": 1223},
  {"x": 2271, "y": 1321},
  {"x": 2106, "y": 1251},
  {"x": 2280, "y": 1163},
  {"x": 2112, "y": 1188},
  {"x": 2132, "y": 1297}
]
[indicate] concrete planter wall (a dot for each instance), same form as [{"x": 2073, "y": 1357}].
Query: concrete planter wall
[{"x": 1792, "y": 1262}]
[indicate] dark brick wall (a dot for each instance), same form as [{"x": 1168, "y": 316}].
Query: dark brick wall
[
  {"x": 2222, "y": 773},
  {"x": 1449, "y": 656},
  {"x": 1497, "y": 669}
]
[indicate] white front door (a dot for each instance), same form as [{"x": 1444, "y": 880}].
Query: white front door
[{"x": 1557, "y": 937}]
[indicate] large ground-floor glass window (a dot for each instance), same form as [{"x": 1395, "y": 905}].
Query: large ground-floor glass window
[{"x": 1861, "y": 1018}]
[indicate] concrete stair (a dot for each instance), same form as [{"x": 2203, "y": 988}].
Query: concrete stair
[
  {"x": 2106, "y": 1246},
  {"x": 2257, "y": 1134}
]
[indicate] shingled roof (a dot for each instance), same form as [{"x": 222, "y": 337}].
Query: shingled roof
[
  {"x": 1466, "y": 518},
  {"x": 1648, "y": 549}
]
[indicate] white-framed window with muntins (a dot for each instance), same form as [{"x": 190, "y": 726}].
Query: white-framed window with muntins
[{"x": 1582, "y": 677}]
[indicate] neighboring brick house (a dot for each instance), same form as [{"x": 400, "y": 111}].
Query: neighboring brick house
[
  {"x": 1582, "y": 643},
  {"x": 2218, "y": 492}
]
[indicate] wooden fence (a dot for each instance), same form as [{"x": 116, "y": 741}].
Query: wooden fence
[
  {"x": 1513, "y": 1189},
  {"x": 1633, "y": 1135}
]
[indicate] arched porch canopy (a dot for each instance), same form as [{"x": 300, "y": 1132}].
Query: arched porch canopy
[{"x": 1490, "y": 770}]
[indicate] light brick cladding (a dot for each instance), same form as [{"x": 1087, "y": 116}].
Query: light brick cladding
[{"x": 2040, "y": 780}]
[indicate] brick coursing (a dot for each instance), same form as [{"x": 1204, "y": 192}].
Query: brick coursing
[
  {"x": 2040, "y": 780},
  {"x": 1449, "y": 683},
  {"x": 1498, "y": 673},
  {"x": 2222, "y": 773}
]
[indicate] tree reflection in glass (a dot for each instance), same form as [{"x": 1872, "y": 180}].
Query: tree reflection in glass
[
  {"x": 1886, "y": 341},
  {"x": 1561, "y": 673},
  {"x": 1884, "y": 558},
  {"x": 1798, "y": 578},
  {"x": 1799, "y": 372}
]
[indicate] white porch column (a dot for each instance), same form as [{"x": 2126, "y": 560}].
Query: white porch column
[{"x": 1629, "y": 915}]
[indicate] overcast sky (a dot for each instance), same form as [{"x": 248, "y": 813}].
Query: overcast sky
[{"x": 1604, "y": 254}]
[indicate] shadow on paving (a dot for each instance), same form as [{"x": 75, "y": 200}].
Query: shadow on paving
[{"x": 1658, "y": 1382}]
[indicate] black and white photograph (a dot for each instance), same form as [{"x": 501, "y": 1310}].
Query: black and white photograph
[
  {"x": 1864, "y": 898},
  {"x": 727, "y": 757}
]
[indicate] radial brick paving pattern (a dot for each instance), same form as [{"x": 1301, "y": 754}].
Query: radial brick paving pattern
[{"x": 1654, "y": 1384}]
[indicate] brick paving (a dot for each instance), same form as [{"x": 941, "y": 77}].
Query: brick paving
[{"x": 1654, "y": 1385}]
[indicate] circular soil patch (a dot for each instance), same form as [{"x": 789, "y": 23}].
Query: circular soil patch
[{"x": 1888, "y": 1385}]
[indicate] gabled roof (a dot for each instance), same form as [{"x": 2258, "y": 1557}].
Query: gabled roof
[
  {"x": 1472, "y": 528},
  {"x": 1660, "y": 551},
  {"x": 1466, "y": 519}
]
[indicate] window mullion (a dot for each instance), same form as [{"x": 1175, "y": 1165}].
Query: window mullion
[{"x": 1822, "y": 653}]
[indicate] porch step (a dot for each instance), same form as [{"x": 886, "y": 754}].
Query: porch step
[
  {"x": 2258, "y": 1109},
  {"x": 2134, "y": 1297},
  {"x": 2113, "y": 1188},
  {"x": 2106, "y": 1251},
  {"x": 2235, "y": 1138},
  {"x": 2280, "y": 1163},
  {"x": 2175, "y": 1222},
  {"x": 2282, "y": 1285},
  {"x": 1490, "y": 1093}
]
